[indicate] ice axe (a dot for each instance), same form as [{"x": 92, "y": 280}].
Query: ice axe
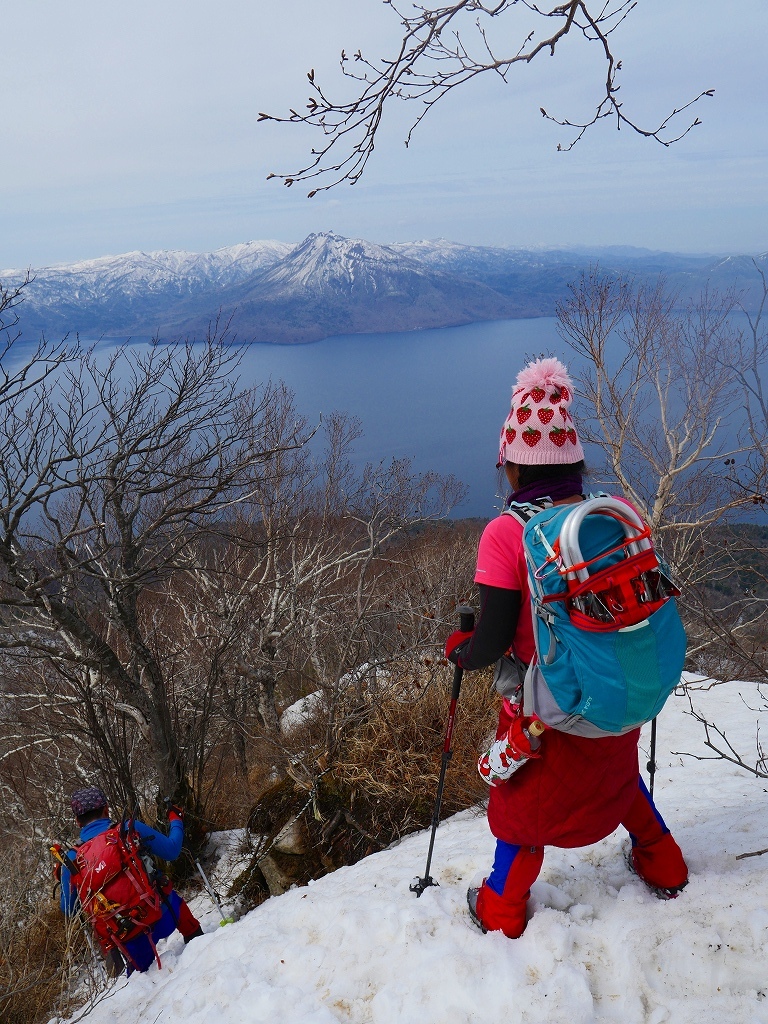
[{"x": 466, "y": 624}]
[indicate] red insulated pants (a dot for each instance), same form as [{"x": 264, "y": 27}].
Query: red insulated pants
[{"x": 502, "y": 900}]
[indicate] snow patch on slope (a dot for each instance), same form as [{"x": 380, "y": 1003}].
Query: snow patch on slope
[{"x": 357, "y": 947}]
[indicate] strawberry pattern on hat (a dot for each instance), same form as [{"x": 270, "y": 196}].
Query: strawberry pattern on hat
[{"x": 542, "y": 391}]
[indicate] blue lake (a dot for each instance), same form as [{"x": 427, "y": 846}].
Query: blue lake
[{"x": 437, "y": 396}]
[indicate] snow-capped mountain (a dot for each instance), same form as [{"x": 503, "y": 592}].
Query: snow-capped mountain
[
  {"x": 327, "y": 285},
  {"x": 127, "y": 293},
  {"x": 153, "y": 271},
  {"x": 328, "y": 262},
  {"x": 453, "y": 257},
  {"x": 539, "y": 278},
  {"x": 332, "y": 285}
]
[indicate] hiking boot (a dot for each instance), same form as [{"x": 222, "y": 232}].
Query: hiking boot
[
  {"x": 659, "y": 891},
  {"x": 195, "y": 934},
  {"x": 472, "y": 895}
]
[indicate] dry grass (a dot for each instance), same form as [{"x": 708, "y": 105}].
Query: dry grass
[
  {"x": 380, "y": 785},
  {"x": 46, "y": 965},
  {"x": 396, "y": 753}
]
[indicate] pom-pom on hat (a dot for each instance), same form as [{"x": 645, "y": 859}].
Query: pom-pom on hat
[
  {"x": 85, "y": 800},
  {"x": 539, "y": 430}
]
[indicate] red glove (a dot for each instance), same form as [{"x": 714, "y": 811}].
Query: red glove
[
  {"x": 175, "y": 813},
  {"x": 454, "y": 644}
]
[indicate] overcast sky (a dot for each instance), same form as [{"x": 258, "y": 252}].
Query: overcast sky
[{"x": 134, "y": 126}]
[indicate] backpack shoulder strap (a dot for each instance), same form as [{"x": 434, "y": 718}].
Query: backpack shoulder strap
[{"x": 523, "y": 511}]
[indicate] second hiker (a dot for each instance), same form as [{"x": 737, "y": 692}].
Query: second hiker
[{"x": 109, "y": 874}]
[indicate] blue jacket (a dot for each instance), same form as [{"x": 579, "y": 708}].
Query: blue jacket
[{"x": 168, "y": 848}]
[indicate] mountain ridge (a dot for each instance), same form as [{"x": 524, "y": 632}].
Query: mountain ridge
[{"x": 330, "y": 285}]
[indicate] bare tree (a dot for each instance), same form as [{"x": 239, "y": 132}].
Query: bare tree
[
  {"x": 678, "y": 408},
  {"x": 732, "y": 607},
  {"x": 177, "y": 563},
  {"x": 111, "y": 472},
  {"x": 747, "y": 360},
  {"x": 24, "y": 367},
  {"x": 731, "y": 622},
  {"x": 659, "y": 397},
  {"x": 443, "y": 48},
  {"x": 301, "y": 595}
]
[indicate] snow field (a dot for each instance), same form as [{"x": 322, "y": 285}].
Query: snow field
[{"x": 357, "y": 947}]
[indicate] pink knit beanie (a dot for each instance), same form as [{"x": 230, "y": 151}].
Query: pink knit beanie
[{"x": 539, "y": 430}]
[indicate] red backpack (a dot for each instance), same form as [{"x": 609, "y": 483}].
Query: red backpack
[{"x": 115, "y": 891}]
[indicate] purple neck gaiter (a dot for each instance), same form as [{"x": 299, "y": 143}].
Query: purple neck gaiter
[{"x": 562, "y": 487}]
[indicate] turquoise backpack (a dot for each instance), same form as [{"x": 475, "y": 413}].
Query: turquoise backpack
[{"x": 609, "y": 640}]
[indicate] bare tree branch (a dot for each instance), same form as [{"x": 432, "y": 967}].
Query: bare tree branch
[{"x": 435, "y": 57}]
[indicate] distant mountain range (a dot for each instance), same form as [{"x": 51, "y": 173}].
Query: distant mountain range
[{"x": 329, "y": 285}]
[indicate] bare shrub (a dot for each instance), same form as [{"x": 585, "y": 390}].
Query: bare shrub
[
  {"x": 46, "y": 963},
  {"x": 380, "y": 786}
]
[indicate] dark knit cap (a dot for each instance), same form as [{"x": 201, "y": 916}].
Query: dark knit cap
[{"x": 85, "y": 800}]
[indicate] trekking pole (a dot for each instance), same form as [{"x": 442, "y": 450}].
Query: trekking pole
[
  {"x": 212, "y": 893},
  {"x": 651, "y": 766},
  {"x": 98, "y": 959},
  {"x": 466, "y": 624}
]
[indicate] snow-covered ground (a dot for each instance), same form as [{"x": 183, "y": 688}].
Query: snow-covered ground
[{"x": 359, "y": 947}]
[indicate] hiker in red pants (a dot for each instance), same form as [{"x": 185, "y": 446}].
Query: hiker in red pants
[
  {"x": 558, "y": 789},
  {"x": 137, "y": 953}
]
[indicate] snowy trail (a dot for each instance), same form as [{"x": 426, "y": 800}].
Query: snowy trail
[{"x": 357, "y": 947}]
